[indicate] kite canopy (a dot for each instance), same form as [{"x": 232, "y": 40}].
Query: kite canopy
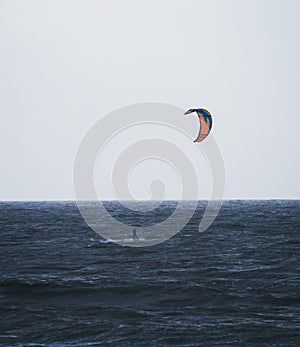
[{"x": 205, "y": 122}]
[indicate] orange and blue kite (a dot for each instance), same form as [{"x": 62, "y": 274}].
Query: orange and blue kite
[{"x": 205, "y": 122}]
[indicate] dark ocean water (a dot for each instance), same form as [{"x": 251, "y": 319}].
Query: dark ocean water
[{"x": 237, "y": 284}]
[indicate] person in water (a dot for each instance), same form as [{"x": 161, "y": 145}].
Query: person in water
[{"x": 134, "y": 235}]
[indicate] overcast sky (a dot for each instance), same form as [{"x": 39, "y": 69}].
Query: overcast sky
[{"x": 64, "y": 64}]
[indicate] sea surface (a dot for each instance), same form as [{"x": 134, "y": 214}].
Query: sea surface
[{"x": 236, "y": 284}]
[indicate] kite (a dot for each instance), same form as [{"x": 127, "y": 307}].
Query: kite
[{"x": 205, "y": 122}]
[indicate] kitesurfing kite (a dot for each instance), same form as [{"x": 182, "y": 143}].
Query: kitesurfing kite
[{"x": 205, "y": 122}]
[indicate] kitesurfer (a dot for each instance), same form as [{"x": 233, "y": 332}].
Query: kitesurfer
[{"x": 134, "y": 235}]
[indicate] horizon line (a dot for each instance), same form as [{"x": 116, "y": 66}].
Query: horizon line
[{"x": 87, "y": 200}]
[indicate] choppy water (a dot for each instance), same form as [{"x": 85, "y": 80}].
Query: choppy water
[{"x": 237, "y": 284}]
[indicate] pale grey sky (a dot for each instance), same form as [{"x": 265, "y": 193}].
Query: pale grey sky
[{"x": 64, "y": 64}]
